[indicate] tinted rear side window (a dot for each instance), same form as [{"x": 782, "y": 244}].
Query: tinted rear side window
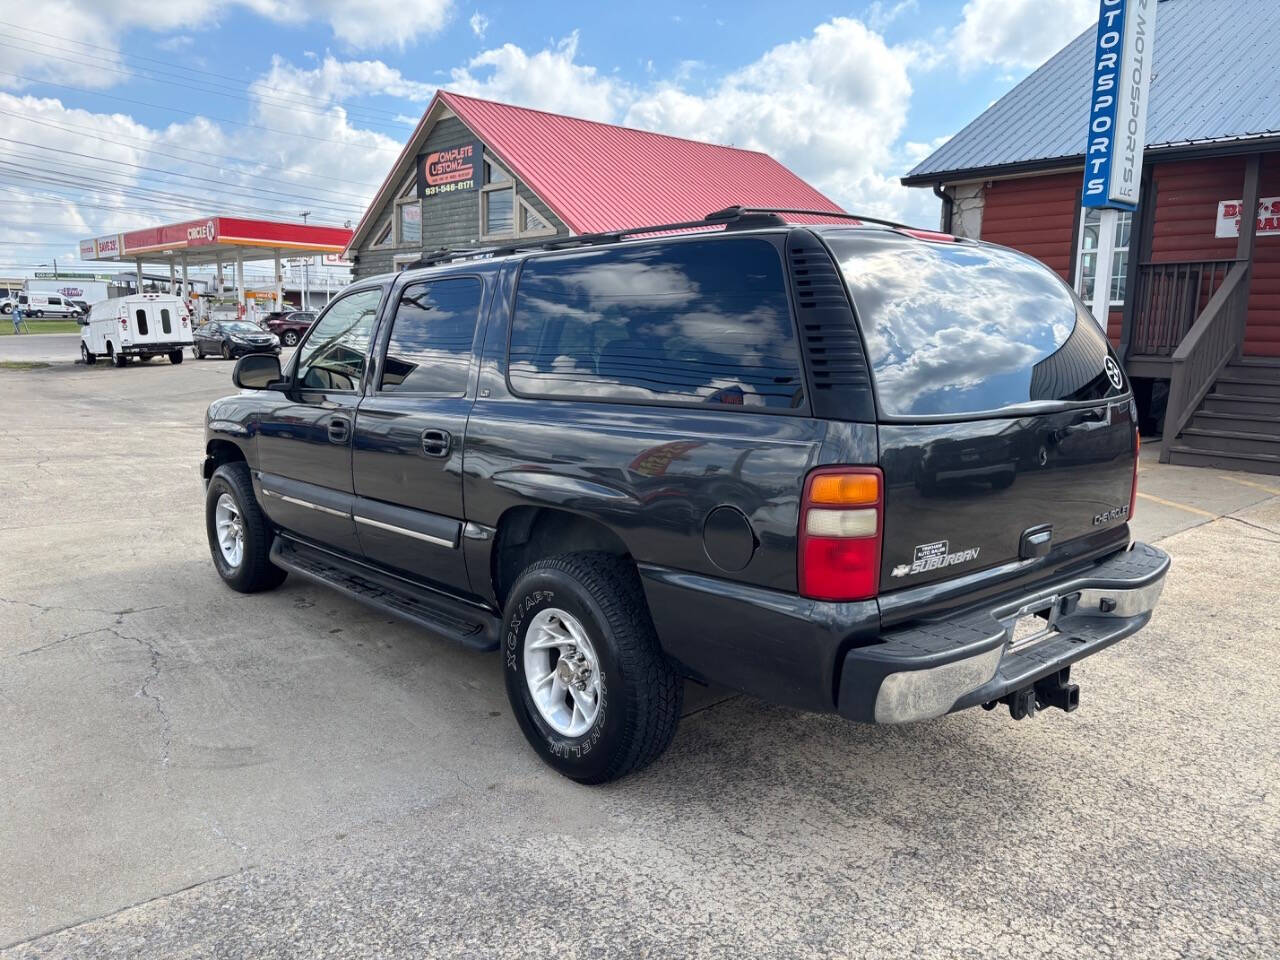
[
  {"x": 955, "y": 328},
  {"x": 165, "y": 325},
  {"x": 701, "y": 321},
  {"x": 141, "y": 317},
  {"x": 430, "y": 346}
]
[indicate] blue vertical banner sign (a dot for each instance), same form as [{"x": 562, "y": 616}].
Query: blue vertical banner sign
[{"x": 1118, "y": 103}]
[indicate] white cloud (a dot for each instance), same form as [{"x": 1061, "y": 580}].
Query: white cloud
[
  {"x": 338, "y": 80},
  {"x": 179, "y": 41},
  {"x": 880, "y": 14},
  {"x": 547, "y": 80},
  {"x": 831, "y": 107},
  {"x": 1017, "y": 33},
  {"x": 479, "y": 24},
  {"x": 54, "y": 32}
]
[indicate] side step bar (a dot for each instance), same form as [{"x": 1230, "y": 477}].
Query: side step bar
[{"x": 471, "y": 626}]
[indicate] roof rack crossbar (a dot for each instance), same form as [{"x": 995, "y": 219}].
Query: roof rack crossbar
[{"x": 730, "y": 218}]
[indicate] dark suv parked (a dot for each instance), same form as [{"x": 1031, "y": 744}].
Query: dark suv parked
[
  {"x": 289, "y": 325},
  {"x": 856, "y": 468}
]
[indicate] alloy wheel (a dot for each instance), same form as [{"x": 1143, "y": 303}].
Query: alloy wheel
[
  {"x": 230, "y": 526},
  {"x": 562, "y": 672}
]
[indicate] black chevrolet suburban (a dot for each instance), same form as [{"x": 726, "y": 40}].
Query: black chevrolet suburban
[{"x": 844, "y": 466}]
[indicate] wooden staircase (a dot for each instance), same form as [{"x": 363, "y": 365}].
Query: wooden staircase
[{"x": 1237, "y": 424}]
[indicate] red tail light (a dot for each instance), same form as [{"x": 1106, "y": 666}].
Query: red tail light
[
  {"x": 841, "y": 529},
  {"x": 124, "y": 324},
  {"x": 1133, "y": 487}
]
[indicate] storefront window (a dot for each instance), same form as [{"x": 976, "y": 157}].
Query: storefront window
[
  {"x": 409, "y": 219},
  {"x": 1092, "y": 246},
  {"x": 497, "y": 202}
]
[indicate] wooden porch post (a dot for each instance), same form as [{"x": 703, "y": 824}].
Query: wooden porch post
[
  {"x": 1140, "y": 233},
  {"x": 1248, "y": 230}
]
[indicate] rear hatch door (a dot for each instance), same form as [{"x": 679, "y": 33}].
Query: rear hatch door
[{"x": 1002, "y": 411}]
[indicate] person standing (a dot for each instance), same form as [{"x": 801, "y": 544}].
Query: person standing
[{"x": 17, "y": 317}]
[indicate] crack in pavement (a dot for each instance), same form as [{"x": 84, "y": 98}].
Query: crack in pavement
[
  {"x": 61, "y": 640},
  {"x": 106, "y": 916},
  {"x": 48, "y": 608},
  {"x": 153, "y": 656}
]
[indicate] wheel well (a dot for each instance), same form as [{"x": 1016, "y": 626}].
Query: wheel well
[
  {"x": 219, "y": 452},
  {"x": 528, "y": 534}
]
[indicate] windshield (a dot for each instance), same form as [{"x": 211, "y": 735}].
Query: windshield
[
  {"x": 239, "y": 326},
  {"x": 958, "y": 328}
]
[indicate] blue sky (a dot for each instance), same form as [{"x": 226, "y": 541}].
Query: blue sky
[{"x": 125, "y": 114}]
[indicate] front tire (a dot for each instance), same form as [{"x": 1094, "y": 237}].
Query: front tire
[
  {"x": 590, "y": 687},
  {"x": 290, "y": 338},
  {"x": 239, "y": 534}
]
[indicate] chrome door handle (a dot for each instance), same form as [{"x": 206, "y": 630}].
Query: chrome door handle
[{"x": 436, "y": 443}]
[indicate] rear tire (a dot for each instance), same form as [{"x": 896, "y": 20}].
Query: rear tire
[
  {"x": 88, "y": 358},
  {"x": 230, "y": 500},
  {"x": 226, "y": 351},
  {"x": 175, "y": 356},
  {"x": 120, "y": 360},
  {"x": 634, "y": 704}
]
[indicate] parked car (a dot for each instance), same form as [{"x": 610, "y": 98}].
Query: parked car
[
  {"x": 47, "y": 305},
  {"x": 232, "y": 338},
  {"x": 289, "y": 325},
  {"x": 141, "y": 325},
  {"x": 698, "y": 456},
  {"x": 82, "y": 306}
]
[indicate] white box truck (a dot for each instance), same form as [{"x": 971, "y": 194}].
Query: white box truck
[{"x": 143, "y": 325}]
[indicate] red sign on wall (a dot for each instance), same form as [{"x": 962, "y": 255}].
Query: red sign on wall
[
  {"x": 1229, "y": 218},
  {"x": 193, "y": 233}
]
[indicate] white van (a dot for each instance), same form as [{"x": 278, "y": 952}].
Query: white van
[
  {"x": 144, "y": 325},
  {"x": 47, "y": 305}
]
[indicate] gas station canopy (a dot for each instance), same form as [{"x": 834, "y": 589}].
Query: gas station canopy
[{"x": 218, "y": 240}]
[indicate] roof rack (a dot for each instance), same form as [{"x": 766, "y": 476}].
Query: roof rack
[{"x": 730, "y": 218}]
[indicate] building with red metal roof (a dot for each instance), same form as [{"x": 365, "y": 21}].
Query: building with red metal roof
[{"x": 476, "y": 172}]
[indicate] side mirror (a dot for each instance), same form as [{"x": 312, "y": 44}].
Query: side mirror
[{"x": 257, "y": 371}]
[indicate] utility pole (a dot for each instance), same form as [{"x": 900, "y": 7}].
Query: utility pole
[{"x": 306, "y": 263}]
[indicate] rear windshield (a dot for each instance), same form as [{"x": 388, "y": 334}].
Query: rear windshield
[{"x": 956, "y": 328}]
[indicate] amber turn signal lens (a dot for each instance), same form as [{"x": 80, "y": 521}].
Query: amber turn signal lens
[{"x": 845, "y": 489}]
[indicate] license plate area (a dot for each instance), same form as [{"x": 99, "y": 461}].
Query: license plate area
[{"x": 1034, "y": 622}]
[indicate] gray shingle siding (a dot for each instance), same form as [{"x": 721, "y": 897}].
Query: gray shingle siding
[
  {"x": 1212, "y": 79},
  {"x": 448, "y": 219}
]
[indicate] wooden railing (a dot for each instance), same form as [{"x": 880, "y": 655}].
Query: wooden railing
[
  {"x": 1212, "y": 342},
  {"x": 1169, "y": 297}
]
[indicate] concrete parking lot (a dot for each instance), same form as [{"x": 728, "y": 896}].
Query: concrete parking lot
[{"x": 188, "y": 772}]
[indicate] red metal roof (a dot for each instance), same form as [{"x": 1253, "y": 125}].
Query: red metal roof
[{"x": 596, "y": 176}]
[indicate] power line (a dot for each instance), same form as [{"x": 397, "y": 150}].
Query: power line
[
  {"x": 188, "y": 113},
  {"x": 234, "y": 93},
  {"x": 90, "y": 133},
  {"x": 50, "y": 172},
  {"x": 168, "y": 63},
  {"x": 262, "y": 191}
]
